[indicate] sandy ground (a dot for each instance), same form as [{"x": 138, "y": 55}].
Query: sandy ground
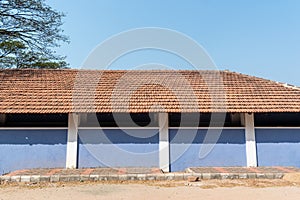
[{"x": 213, "y": 189}]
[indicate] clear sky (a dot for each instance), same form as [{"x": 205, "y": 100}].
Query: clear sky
[{"x": 257, "y": 37}]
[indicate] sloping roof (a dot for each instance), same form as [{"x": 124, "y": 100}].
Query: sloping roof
[{"x": 64, "y": 91}]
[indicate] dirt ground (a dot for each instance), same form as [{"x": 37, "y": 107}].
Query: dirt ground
[{"x": 287, "y": 188}]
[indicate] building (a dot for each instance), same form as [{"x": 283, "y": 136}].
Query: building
[{"x": 167, "y": 119}]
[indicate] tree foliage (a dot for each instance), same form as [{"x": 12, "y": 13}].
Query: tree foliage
[{"x": 29, "y": 31}]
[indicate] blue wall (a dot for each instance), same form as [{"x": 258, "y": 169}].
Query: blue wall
[
  {"x": 24, "y": 149},
  {"x": 278, "y": 147},
  {"x": 185, "y": 146},
  {"x": 118, "y": 148}
]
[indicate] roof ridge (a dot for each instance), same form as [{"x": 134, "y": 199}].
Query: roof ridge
[
  {"x": 287, "y": 85},
  {"x": 113, "y": 70}
]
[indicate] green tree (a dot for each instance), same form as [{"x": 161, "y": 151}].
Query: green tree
[{"x": 29, "y": 31}]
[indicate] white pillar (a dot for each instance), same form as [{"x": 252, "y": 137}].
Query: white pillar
[
  {"x": 250, "y": 140},
  {"x": 72, "y": 143},
  {"x": 164, "y": 146}
]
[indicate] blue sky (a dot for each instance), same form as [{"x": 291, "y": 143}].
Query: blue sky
[{"x": 258, "y": 37}]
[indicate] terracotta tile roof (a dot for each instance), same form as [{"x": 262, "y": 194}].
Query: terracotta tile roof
[{"x": 64, "y": 91}]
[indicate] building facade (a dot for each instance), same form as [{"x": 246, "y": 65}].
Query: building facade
[{"x": 166, "y": 119}]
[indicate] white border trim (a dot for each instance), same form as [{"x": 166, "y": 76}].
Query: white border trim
[
  {"x": 65, "y": 128},
  {"x": 203, "y": 128},
  {"x": 33, "y": 128},
  {"x": 279, "y": 127},
  {"x": 116, "y": 128}
]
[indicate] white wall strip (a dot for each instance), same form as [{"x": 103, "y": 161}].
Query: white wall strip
[
  {"x": 164, "y": 144},
  {"x": 250, "y": 140},
  {"x": 72, "y": 141}
]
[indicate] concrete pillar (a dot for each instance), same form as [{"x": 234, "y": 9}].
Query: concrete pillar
[
  {"x": 72, "y": 142},
  {"x": 250, "y": 140},
  {"x": 164, "y": 145}
]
